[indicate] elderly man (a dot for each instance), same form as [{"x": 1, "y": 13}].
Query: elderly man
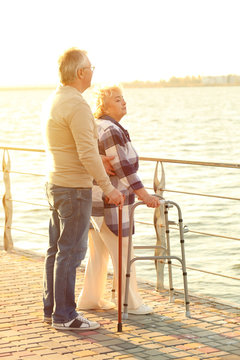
[{"x": 73, "y": 158}]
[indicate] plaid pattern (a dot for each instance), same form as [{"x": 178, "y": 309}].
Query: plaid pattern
[{"x": 115, "y": 141}]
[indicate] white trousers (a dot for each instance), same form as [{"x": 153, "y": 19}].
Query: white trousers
[{"x": 101, "y": 244}]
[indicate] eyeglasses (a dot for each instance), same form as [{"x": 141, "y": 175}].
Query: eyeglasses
[{"x": 92, "y": 68}]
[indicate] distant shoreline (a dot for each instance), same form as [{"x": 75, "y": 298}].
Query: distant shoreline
[
  {"x": 125, "y": 86},
  {"x": 187, "y": 81},
  {"x": 129, "y": 85}
]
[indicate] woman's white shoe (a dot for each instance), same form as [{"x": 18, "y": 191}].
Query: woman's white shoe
[{"x": 141, "y": 310}]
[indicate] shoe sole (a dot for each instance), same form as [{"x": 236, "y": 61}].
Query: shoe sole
[
  {"x": 79, "y": 329},
  {"x": 140, "y": 313}
]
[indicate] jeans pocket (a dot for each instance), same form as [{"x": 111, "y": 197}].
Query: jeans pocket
[
  {"x": 60, "y": 200},
  {"x": 84, "y": 194}
]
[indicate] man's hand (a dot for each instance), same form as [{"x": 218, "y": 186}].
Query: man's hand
[
  {"x": 116, "y": 197},
  {"x": 107, "y": 164}
]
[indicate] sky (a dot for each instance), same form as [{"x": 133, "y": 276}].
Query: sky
[{"x": 126, "y": 40}]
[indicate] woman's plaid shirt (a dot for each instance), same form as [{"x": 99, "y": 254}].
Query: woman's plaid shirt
[{"x": 114, "y": 141}]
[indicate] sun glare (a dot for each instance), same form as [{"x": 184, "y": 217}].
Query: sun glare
[{"x": 136, "y": 40}]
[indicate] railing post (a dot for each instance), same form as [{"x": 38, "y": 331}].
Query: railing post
[
  {"x": 7, "y": 203},
  {"x": 159, "y": 224}
]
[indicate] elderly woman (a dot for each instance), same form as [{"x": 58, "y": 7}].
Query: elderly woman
[{"x": 114, "y": 141}]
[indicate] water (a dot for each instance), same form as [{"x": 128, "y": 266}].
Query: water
[{"x": 175, "y": 123}]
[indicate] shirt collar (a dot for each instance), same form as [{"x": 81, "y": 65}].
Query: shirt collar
[{"x": 107, "y": 117}]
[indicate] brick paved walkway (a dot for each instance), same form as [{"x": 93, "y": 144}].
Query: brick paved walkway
[{"x": 213, "y": 331}]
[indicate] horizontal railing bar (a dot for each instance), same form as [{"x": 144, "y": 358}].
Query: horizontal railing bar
[
  {"x": 209, "y": 272},
  {"x": 192, "y": 231},
  {"x": 198, "y": 194},
  {"x": 144, "y": 158},
  {"x": 209, "y": 234},
  {"x": 23, "y": 173},
  {"x": 29, "y": 203},
  {"x": 191, "y": 162},
  {"x": 21, "y": 149},
  {"x": 22, "y": 230}
]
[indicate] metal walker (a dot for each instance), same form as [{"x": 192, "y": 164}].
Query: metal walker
[{"x": 167, "y": 204}]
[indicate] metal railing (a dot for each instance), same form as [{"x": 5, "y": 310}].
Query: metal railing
[{"x": 159, "y": 188}]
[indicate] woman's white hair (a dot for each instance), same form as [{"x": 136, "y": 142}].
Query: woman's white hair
[
  {"x": 103, "y": 95},
  {"x": 69, "y": 63}
]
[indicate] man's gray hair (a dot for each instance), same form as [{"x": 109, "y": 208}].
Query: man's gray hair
[{"x": 69, "y": 63}]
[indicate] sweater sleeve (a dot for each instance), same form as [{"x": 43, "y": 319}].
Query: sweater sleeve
[
  {"x": 125, "y": 162},
  {"x": 84, "y": 131}
]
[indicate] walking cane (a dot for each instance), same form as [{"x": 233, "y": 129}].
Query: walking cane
[{"x": 119, "y": 328}]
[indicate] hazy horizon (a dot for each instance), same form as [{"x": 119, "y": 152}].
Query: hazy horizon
[{"x": 50, "y": 86}]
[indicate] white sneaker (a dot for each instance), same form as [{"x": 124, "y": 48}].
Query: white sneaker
[
  {"x": 141, "y": 310},
  {"x": 79, "y": 323},
  {"x": 107, "y": 305}
]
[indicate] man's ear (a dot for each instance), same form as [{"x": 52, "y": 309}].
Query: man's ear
[{"x": 80, "y": 73}]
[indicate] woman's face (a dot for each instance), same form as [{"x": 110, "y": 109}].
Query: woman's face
[{"x": 116, "y": 105}]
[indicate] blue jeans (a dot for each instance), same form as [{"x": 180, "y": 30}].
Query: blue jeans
[{"x": 68, "y": 237}]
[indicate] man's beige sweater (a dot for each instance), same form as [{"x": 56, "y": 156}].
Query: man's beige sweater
[{"x": 71, "y": 142}]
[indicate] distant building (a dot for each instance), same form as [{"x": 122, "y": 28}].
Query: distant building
[{"x": 221, "y": 80}]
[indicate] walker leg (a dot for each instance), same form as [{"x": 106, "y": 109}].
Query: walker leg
[
  {"x": 184, "y": 270},
  {"x": 171, "y": 288},
  {"x": 113, "y": 289},
  {"x": 125, "y": 305}
]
